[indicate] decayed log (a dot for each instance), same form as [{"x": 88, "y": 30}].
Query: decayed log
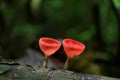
[{"x": 14, "y": 71}]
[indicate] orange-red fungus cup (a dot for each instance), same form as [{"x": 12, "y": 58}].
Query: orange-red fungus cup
[
  {"x": 72, "y": 47},
  {"x": 49, "y": 45}
]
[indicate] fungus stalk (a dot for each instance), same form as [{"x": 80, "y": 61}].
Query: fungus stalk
[
  {"x": 66, "y": 63},
  {"x": 45, "y": 62}
]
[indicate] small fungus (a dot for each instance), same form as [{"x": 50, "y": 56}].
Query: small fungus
[
  {"x": 48, "y": 46},
  {"x": 72, "y": 48}
]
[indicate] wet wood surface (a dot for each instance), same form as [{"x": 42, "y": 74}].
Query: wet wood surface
[{"x": 15, "y": 71}]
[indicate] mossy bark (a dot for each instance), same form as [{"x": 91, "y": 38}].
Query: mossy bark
[{"x": 14, "y": 71}]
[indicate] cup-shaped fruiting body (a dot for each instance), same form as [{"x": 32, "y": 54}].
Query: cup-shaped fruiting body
[
  {"x": 49, "y": 45},
  {"x": 72, "y": 47}
]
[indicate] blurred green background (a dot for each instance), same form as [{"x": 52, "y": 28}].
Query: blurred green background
[{"x": 96, "y": 23}]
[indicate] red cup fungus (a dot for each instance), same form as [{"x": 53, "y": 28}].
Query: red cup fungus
[
  {"x": 48, "y": 46},
  {"x": 72, "y": 48}
]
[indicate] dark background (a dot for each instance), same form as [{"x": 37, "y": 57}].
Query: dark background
[{"x": 96, "y": 23}]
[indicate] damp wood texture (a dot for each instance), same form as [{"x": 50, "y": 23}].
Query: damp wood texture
[{"x": 14, "y": 71}]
